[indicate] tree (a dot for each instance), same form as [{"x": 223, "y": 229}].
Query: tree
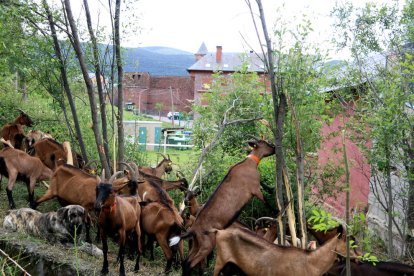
[
  {"x": 99, "y": 84},
  {"x": 159, "y": 107},
  {"x": 89, "y": 87},
  {"x": 65, "y": 81},
  {"x": 375, "y": 35},
  {"x": 233, "y": 106},
  {"x": 296, "y": 79},
  {"x": 120, "y": 117}
]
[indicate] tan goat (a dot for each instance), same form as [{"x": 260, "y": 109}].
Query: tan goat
[
  {"x": 256, "y": 256},
  {"x": 18, "y": 165}
]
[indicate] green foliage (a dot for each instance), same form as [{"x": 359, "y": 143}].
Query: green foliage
[{"x": 322, "y": 220}]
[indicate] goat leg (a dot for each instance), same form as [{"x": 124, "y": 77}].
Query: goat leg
[
  {"x": 121, "y": 258},
  {"x": 12, "y": 205},
  {"x": 105, "y": 265},
  {"x": 30, "y": 190}
]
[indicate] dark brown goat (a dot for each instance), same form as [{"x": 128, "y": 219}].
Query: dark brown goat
[
  {"x": 73, "y": 186},
  {"x": 160, "y": 221},
  {"x": 255, "y": 256},
  {"x": 241, "y": 183},
  {"x": 14, "y": 132},
  {"x": 119, "y": 217},
  {"x": 53, "y": 154},
  {"x": 361, "y": 268},
  {"x": 165, "y": 166},
  {"x": 18, "y": 165},
  {"x": 167, "y": 185},
  {"x": 379, "y": 269},
  {"x": 271, "y": 228}
]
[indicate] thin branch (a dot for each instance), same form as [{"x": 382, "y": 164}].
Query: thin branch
[{"x": 13, "y": 261}]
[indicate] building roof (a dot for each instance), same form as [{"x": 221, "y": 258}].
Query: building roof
[
  {"x": 203, "y": 49},
  {"x": 230, "y": 62}
]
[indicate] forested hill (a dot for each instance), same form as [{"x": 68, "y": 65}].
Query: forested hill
[{"x": 158, "y": 61}]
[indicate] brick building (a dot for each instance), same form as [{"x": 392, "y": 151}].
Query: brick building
[
  {"x": 144, "y": 90},
  {"x": 178, "y": 93},
  {"x": 207, "y": 62}
]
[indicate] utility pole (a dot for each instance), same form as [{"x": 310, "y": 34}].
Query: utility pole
[{"x": 172, "y": 105}]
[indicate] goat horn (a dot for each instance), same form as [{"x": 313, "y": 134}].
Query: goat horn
[
  {"x": 168, "y": 156},
  {"x": 20, "y": 110},
  {"x": 103, "y": 175},
  {"x": 90, "y": 162},
  {"x": 114, "y": 176},
  {"x": 265, "y": 218},
  {"x": 135, "y": 169},
  {"x": 180, "y": 174},
  {"x": 132, "y": 171},
  {"x": 165, "y": 157},
  {"x": 6, "y": 142}
]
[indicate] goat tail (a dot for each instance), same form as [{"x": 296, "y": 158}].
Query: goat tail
[{"x": 176, "y": 239}]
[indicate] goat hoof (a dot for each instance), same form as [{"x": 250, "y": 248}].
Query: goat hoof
[{"x": 104, "y": 271}]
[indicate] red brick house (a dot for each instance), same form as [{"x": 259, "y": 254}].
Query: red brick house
[
  {"x": 208, "y": 62},
  {"x": 144, "y": 90}
]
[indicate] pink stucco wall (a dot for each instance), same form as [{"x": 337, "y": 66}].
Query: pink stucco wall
[{"x": 360, "y": 171}]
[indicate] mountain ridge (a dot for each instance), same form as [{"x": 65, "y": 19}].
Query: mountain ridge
[{"x": 157, "y": 60}]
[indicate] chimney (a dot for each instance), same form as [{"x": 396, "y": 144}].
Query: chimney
[{"x": 219, "y": 53}]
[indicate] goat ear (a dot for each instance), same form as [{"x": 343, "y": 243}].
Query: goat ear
[
  {"x": 143, "y": 203},
  {"x": 252, "y": 143},
  {"x": 62, "y": 212},
  {"x": 340, "y": 231}
]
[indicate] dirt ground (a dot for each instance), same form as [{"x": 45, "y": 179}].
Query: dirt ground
[{"x": 87, "y": 264}]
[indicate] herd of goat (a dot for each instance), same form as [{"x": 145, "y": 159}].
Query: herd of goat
[{"x": 134, "y": 203}]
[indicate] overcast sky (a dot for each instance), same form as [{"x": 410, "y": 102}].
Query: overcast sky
[{"x": 185, "y": 24}]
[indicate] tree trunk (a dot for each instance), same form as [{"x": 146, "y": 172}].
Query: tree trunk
[
  {"x": 99, "y": 83},
  {"x": 390, "y": 201},
  {"x": 347, "y": 201},
  {"x": 300, "y": 171},
  {"x": 279, "y": 112},
  {"x": 409, "y": 167},
  {"x": 89, "y": 88},
  {"x": 120, "y": 117},
  {"x": 65, "y": 82}
]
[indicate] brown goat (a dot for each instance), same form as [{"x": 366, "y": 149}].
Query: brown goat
[
  {"x": 255, "y": 256},
  {"x": 377, "y": 269},
  {"x": 53, "y": 154},
  {"x": 18, "y": 165},
  {"x": 149, "y": 190},
  {"x": 119, "y": 217},
  {"x": 14, "y": 132},
  {"x": 160, "y": 221},
  {"x": 191, "y": 202},
  {"x": 165, "y": 166},
  {"x": 271, "y": 228},
  {"x": 167, "y": 185},
  {"x": 73, "y": 186},
  {"x": 241, "y": 183}
]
